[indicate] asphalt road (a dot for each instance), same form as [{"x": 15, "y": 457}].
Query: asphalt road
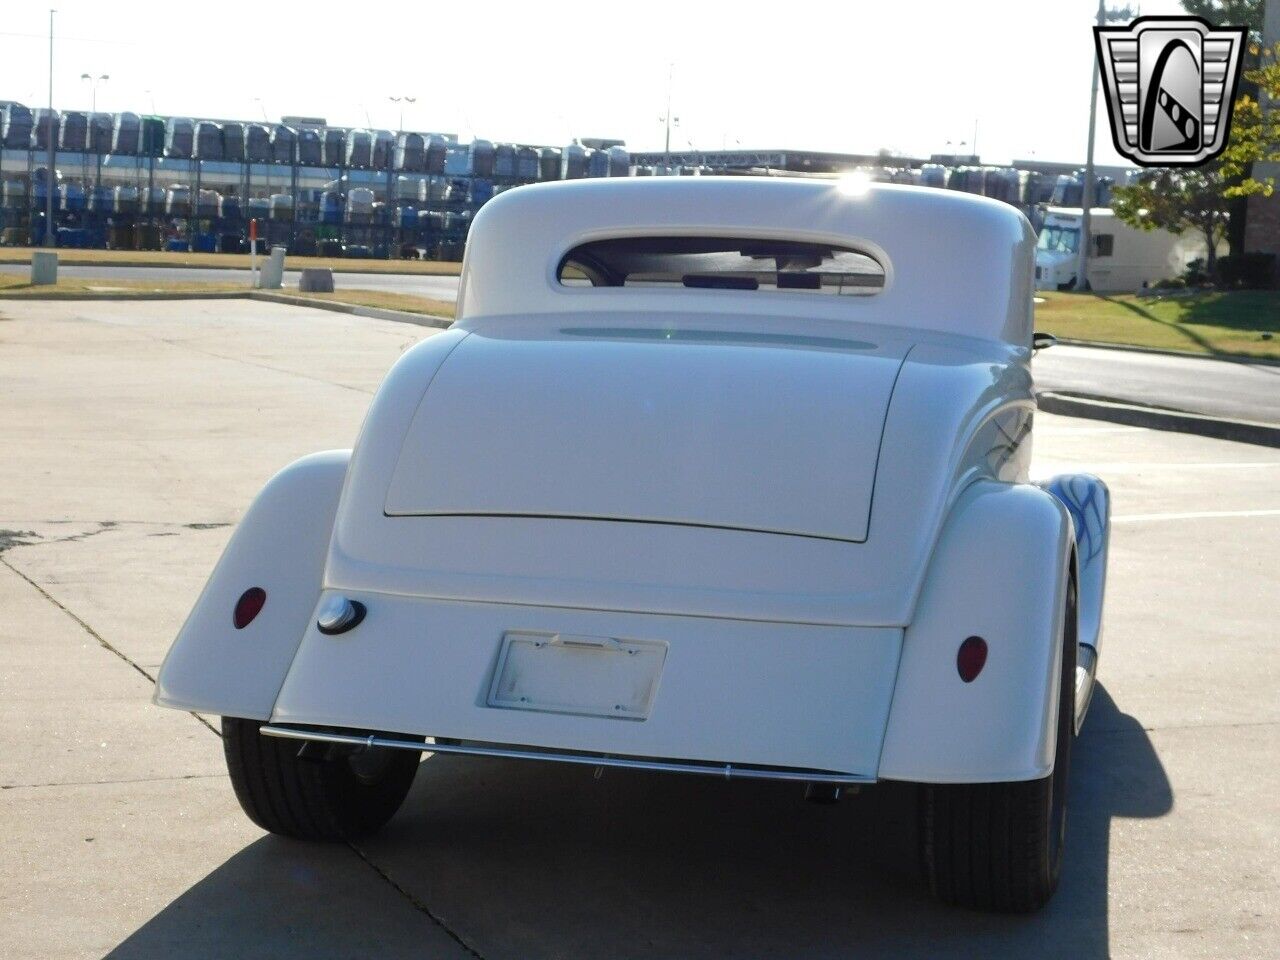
[
  {"x": 135, "y": 435},
  {"x": 423, "y": 285},
  {"x": 1219, "y": 388}
]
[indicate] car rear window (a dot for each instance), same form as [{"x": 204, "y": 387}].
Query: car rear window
[{"x": 722, "y": 263}]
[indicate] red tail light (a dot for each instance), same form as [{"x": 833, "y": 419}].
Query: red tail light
[
  {"x": 971, "y": 658},
  {"x": 248, "y": 606}
]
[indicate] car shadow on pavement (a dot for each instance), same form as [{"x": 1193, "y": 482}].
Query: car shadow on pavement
[{"x": 531, "y": 860}]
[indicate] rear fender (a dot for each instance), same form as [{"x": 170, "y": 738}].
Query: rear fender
[
  {"x": 1000, "y": 572},
  {"x": 280, "y": 545}
]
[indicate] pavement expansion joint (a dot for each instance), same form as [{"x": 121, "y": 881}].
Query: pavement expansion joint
[
  {"x": 102, "y": 641},
  {"x": 416, "y": 903},
  {"x": 186, "y": 344},
  {"x": 107, "y": 783}
]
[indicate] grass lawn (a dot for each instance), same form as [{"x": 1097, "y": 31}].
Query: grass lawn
[
  {"x": 18, "y": 285},
  {"x": 157, "y": 258},
  {"x": 15, "y": 286},
  {"x": 1228, "y": 322}
]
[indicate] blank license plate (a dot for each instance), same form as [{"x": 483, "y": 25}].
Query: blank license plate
[{"x": 571, "y": 673}]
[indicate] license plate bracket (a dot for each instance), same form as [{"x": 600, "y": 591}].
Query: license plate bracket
[{"x": 576, "y": 674}]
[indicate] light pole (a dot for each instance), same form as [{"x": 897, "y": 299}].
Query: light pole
[
  {"x": 93, "y": 82},
  {"x": 50, "y": 237},
  {"x": 667, "y": 119},
  {"x": 1086, "y": 192},
  {"x": 401, "y": 101}
]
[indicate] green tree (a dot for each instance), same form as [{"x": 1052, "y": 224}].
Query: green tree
[
  {"x": 1255, "y": 131},
  {"x": 1237, "y": 174},
  {"x": 1178, "y": 199},
  {"x": 1233, "y": 12}
]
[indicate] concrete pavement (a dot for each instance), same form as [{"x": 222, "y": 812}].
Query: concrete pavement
[{"x": 135, "y": 434}]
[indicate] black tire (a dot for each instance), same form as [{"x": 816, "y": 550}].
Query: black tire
[
  {"x": 338, "y": 794},
  {"x": 999, "y": 846}
]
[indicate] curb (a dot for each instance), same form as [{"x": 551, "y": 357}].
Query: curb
[
  {"x": 337, "y": 306},
  {"x": 1155, "y": 418},
  {"x": 1185, "y": 354}
]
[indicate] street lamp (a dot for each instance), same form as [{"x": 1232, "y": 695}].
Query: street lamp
[
  {"x": 1087, "y": 189},
  {"x": 667, "y": 119},
  {"x": 93, "y": 83},
  {"x": 50, "y": 236},
  {"x": 401, "y": 101}
]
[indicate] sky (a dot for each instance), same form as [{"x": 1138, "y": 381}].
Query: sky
[{"x": 848, "y": 76}]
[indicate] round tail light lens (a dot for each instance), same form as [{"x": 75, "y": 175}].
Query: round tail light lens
[
  {"x": 971, "y": 658},
  {"x": 248, "y": 606}
]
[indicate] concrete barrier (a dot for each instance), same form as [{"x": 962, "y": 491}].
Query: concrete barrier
[
  {"x": 316, "y": 280},
  {"x": 44, "y": 268},
  {"x": 272, "y": 276}
]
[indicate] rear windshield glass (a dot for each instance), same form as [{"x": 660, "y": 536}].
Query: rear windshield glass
[{"x": 721, "y": 263}]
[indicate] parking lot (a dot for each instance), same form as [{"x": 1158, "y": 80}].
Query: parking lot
[{"x": 135, "y": 435}]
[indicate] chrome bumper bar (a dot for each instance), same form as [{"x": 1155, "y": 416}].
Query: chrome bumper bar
[{"x": 724, "y": 771}]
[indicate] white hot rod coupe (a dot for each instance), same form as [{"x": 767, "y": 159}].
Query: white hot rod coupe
[{"x": 722, "y": 476}]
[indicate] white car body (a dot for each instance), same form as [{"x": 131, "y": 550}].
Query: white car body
[{"x": 762, "y": 521}]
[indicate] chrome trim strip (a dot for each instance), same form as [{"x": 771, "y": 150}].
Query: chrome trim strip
[
  {"x": 1086, "y": 669},
  {"x": 724, "y": 770}
]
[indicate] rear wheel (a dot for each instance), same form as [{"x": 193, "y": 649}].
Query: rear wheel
[
  {"x": 998, "y": 846},
  {"x": 334, "y": 793}
]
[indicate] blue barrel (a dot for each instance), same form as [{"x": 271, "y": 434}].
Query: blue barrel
[
  {"x": 126, "y": 134},
  {"x": 15, "y": 127},
  {"x": 330, "y": 207},
  {"x": 310, "y": 148},
  {"x": 257, "y": 143},
  {"x": 74, "y": 136}
]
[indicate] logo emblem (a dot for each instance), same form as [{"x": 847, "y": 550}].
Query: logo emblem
[{"x": 1170, "y": 85}]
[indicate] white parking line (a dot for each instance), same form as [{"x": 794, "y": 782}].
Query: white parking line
[
  {"x": 1196, "y": 515},
  {"x": 1103, "y": 469}
]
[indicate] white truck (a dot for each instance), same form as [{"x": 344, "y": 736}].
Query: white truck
[{"x": 1122, "y": 259}]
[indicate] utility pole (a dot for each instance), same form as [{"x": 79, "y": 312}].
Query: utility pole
[
  {"x": 1087, "y": 191},
  {"x": 667, "y": 118},
  {"x": 50, "y": 237}
]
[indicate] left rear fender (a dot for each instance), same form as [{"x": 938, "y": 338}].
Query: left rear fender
[{"x": 280, "y": 545}]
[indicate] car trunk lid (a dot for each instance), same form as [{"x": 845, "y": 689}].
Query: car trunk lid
[{"x": 717, "y": 428}]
